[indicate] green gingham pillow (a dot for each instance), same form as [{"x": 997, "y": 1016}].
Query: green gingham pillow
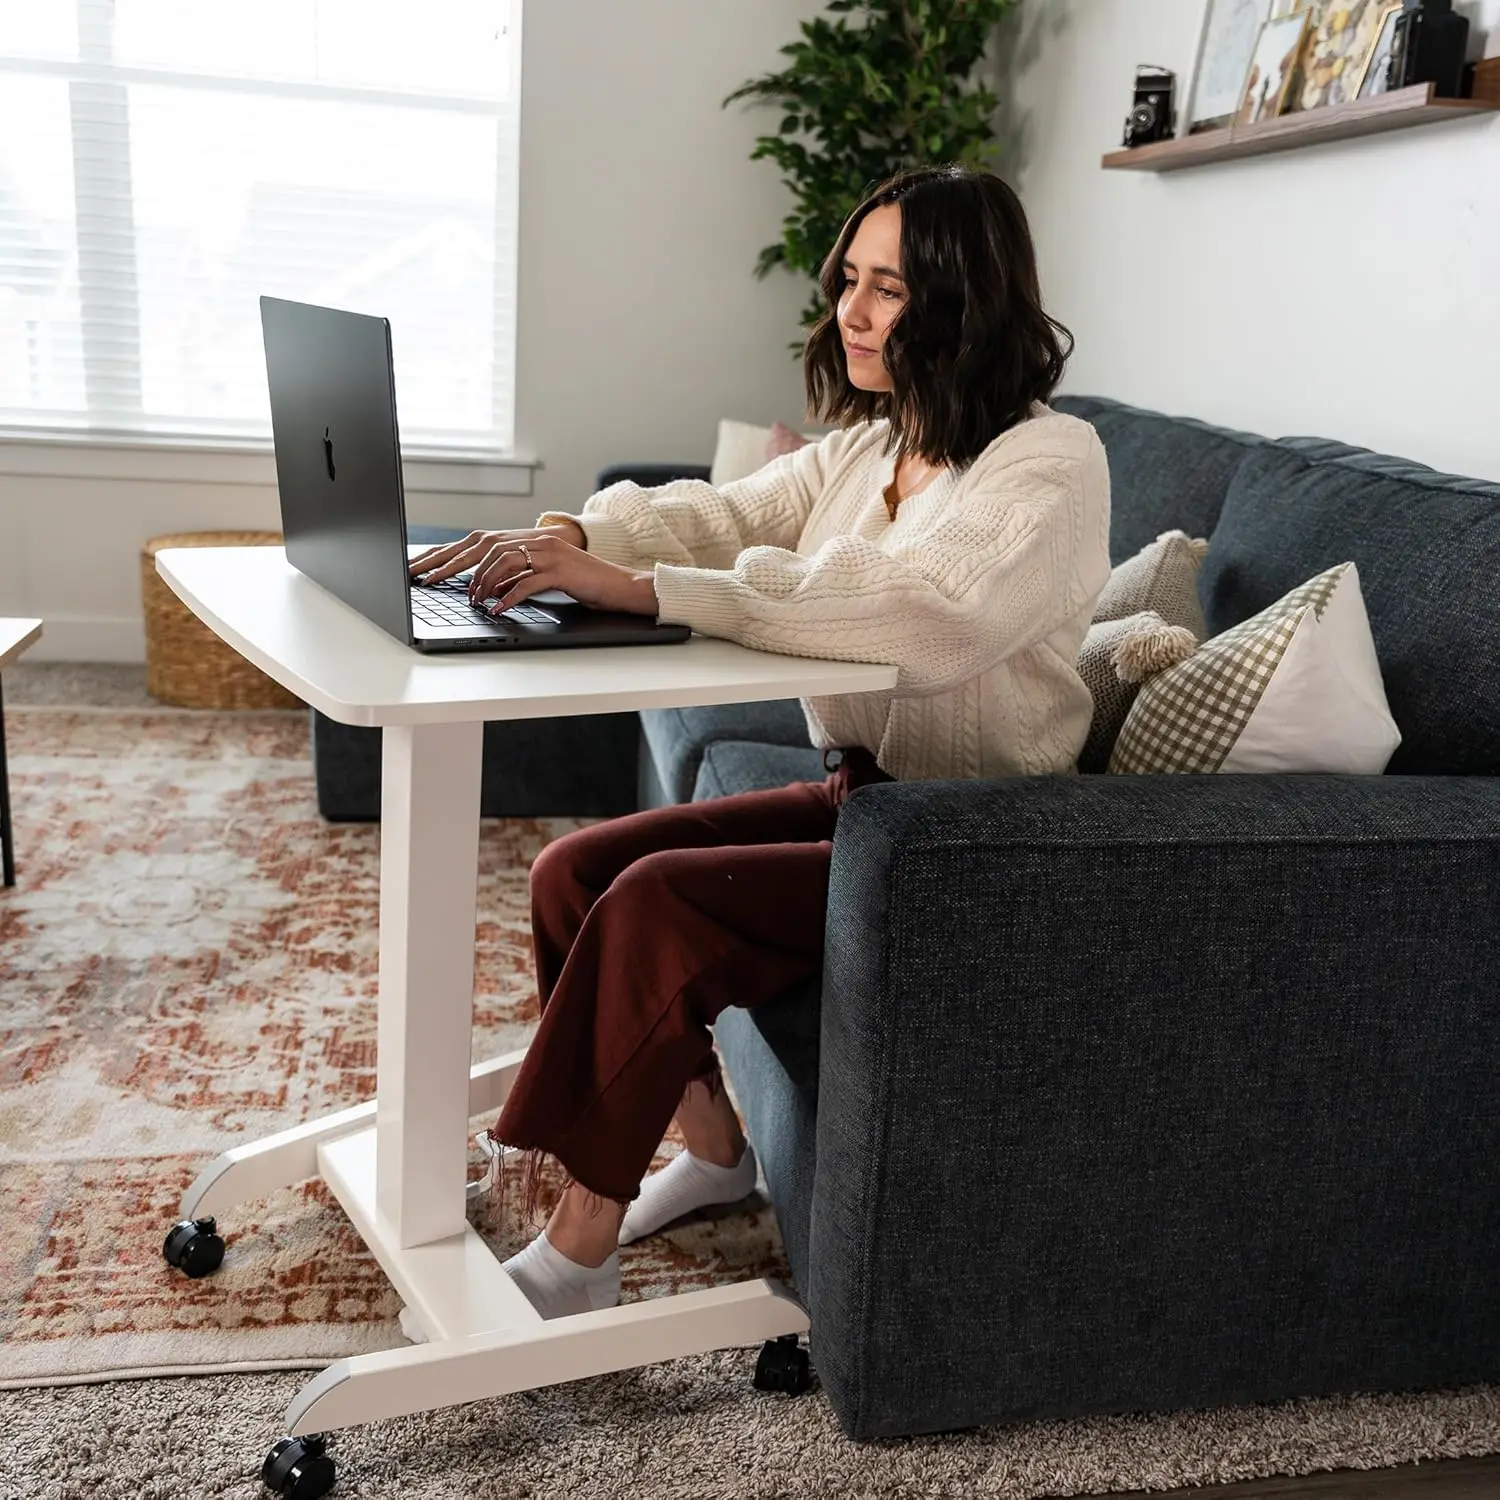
[{"x": 1189, "y": 717}]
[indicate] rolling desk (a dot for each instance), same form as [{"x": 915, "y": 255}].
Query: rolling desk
[{"x": 398, "y": 1163}]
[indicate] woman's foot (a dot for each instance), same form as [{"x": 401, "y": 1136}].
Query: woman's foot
[
  {"x": 559, "y": 1287},
  {"x": 572, "y": 1266},
  {"x": 684, "y": 1185}
]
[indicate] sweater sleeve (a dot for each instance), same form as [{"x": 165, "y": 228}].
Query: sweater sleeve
[
  {"x": 690, "y": 523},
  {"x": 1011, "y": 560}
]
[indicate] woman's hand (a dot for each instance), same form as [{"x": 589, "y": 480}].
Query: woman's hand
[
  {"x": 443, "y": 561},
  {"x": 511, "y": 566}
]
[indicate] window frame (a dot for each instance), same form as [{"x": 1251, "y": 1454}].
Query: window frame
[{"x": 103, "y": 184}]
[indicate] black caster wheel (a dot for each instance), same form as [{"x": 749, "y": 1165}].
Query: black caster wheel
[
  {"x": 299, "y": 1468},
  {"x": 783, "y": 1366},
  {"x": 194, "y": 1246}
]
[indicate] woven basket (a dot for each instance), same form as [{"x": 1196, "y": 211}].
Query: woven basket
[{"x": 187, "y": 665}]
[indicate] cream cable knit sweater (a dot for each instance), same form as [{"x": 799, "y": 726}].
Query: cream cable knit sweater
[{"x": 979, "y": 592}]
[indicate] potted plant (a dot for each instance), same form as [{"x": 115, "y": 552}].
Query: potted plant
[{"x": 872, "y": 86}]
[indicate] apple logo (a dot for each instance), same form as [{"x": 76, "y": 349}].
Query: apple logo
[{"x": 328, "y": 451}]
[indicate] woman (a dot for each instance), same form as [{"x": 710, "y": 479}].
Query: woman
[{"x": 954, "y": 528}]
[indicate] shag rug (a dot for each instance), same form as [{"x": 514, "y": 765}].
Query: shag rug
[{"x": 189, "y": 962}]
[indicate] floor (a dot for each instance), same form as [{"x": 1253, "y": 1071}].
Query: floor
[
  {"x": 111, "y": 686},
  {"x": 1466, "y": 1479},
  {"x": 77, "y": 684}
]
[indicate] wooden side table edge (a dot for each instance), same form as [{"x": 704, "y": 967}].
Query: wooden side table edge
[{"x": 27, "y": 632}]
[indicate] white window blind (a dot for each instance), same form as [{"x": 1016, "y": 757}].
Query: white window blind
[{"x": 165, "y": 162}]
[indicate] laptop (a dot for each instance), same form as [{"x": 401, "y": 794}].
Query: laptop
[{"x": 343, "y": 505}]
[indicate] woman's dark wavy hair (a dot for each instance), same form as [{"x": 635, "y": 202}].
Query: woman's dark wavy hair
[{"x": 972, "y": 348}]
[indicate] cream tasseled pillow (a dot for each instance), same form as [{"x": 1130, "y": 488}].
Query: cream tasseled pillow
[
  {"x": 1153, "y": 592},
  {"x": 1162, "y": 576}
]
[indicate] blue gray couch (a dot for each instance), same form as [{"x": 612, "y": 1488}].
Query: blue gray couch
[{"x": 1127, "y": 1093}]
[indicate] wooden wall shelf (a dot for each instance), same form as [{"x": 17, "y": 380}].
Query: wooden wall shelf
[{"x": 1334, "y": 122}]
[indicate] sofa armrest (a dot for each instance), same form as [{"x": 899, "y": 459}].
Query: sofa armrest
[
  {"x": 648, "y": 476},
  {"x": 1156, "y": 1092}
]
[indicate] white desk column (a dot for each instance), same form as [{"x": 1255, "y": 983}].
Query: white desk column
[{"x": 429, "y": 852}]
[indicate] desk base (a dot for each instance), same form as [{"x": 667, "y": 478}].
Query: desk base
[
  {"x": 289, "y": 1156},
  {"x": 485, "y": 1337},
  {"x": 397, "y": 1382}
]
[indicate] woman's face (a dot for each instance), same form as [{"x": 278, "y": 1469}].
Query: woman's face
[{"x": 873, "y": 296}]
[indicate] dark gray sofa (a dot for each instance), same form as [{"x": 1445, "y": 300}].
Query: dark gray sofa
[{"x": 1128, "y": 1093}]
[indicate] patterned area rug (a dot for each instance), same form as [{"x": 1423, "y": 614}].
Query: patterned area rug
[{"x": 188, "y": 962}]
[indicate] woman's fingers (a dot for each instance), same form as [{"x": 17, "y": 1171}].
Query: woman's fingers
[
  {"x": 484, "y": 571},
  {"x": 434, "y": 557},
  {"x": 532, "y": 567},
  {"x": 503, "y": 565},
  {"x": 438, "y": 563},
  {"x": 501, "y": 568},
  {"x": 517, "y": 590}
]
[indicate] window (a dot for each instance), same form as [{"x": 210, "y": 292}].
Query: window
[{"x": 165, "y": 162}]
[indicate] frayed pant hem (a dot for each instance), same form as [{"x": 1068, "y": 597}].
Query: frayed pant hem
[{"x": 533, "y": 1172}]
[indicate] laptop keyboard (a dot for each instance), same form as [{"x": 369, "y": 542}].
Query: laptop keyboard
[{"x": 447, "y": 604}]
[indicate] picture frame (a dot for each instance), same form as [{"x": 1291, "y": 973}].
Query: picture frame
[
  {"x": 1226, "y": 44},
  {"x": 1373, "y": 79},
  {"x": 1273, "y": 68},
  {"x": 1341, "y": 41}
]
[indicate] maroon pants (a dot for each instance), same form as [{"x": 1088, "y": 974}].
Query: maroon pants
[{"x": 645, "y": 928}]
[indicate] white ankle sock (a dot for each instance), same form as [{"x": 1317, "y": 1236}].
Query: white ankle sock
[
  {"x": 558, "y": 1287},
  {"x": 410, "y": 1327},
  {"x": 686, "y": 1183}
]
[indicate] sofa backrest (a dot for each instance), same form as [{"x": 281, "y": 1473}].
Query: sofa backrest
[
  {"x": 1165, "y": 473},
  {"x": 1427, "y": 546}
]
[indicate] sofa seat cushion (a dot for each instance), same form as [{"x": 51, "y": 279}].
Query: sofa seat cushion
[
  {"x": 733, "y": 766},
  {"x": 1427, "y": 546},
  {"x": 677, "y": 737},
  {"x": 1165, "y": 473}
]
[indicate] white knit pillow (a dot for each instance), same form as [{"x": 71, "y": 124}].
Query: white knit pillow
[{"x": 740, "y": 452}]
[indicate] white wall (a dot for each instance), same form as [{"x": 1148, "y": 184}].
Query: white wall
[
  {"x": 639, "y": 322},
  {"x": 1350, "y": 291},
  {"x": 641, "y": 216}
]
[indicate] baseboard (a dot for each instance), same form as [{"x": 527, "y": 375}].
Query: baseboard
[{"x": 97, "y": 639}]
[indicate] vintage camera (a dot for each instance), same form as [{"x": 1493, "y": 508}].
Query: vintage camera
[
  {"x": 1153, "y": 116},
  {"x": 1428, "y": 45}
]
